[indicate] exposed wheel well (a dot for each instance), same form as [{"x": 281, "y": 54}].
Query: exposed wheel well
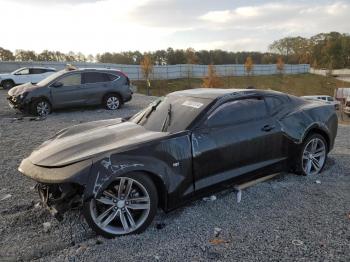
[
  {"x": 7, "y": 80},
  {"x": 162, "y": 196},
  {"x": 10, "y": 80},
  {"x": 320, "y": 132},
  {"x": 32, "y": 102},
  {"x": 40, "y": 98}
]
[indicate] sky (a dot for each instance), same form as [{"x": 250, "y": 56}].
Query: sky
[{"x": 97, "y": 26}]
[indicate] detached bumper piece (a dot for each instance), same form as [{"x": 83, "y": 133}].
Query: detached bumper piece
[{"x": 59, "y": 198}]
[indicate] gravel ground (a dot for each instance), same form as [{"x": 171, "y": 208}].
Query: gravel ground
[{"x": 288, "y": 218}]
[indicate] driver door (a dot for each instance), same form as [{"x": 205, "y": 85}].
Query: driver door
[
  {"x": 67, "y": 91},
  {"x": 237, "y": 138},
  {"x": 22, "y": 76}
]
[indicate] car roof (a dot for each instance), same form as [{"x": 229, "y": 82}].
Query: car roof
[
  {"x": 214, "y": 93},
  {"x": 317, "y": 96},
  {"x": 98, "y": 69},
  {"x": 38, "y": 67}
]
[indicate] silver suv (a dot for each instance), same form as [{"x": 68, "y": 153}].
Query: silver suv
[{"x": 72, "y": 87}]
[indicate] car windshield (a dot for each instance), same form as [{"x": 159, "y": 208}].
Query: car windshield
[
  {"x": 18, "y": 70},
  {"x": 172, "y": 113},
  {"x": 50, "y": 78}
]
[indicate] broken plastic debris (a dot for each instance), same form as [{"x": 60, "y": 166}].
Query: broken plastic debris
[
  {"x": 318, "y": 182},
  {"x": 297, "y": 242},
  {"x": 217, "y": 231},
  {"x": 217, "y": 241},
  {"x": 47, "y": 226},
  {"x": 5, "y": 197},
  {"x": 157, "y": 258},
  {"x": 239, "y": 195},
  {"x": 81, "y": 249},
  {"x": 211, "y": 198}
]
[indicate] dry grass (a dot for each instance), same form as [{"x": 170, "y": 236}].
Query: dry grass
[{"x": 301, "y": 84}]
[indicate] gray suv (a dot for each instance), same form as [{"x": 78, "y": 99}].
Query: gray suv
[{"x": 70, "y": 88}]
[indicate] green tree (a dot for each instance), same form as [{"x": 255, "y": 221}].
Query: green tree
[{"x": 6, "y": 55}]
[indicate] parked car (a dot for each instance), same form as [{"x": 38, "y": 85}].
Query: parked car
[
  {"x": 347, "y": 106},
  {"x": 327, "y": 99},
  {"x": 182, "y": 146},
  {"x": 72, "y": 87},
  {"x": 25, "y": 75}
]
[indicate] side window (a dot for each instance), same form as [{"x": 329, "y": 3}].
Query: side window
[
  {"x": 274, "y": 104},
  {"x": 112, "y": 77},
  {"x": 71, "y": 80},
  {"x": 238, "y": 111},
  {"x": 94, "y": 77},
  {"x": 34, "y": 71}
]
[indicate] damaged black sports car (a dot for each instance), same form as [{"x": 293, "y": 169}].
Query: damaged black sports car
[{"x": 182, "y": 146}]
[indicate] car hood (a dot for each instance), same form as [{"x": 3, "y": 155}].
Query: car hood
[
  {"x": 85, "y": 141},
  {"x": 18, "y": 90},
  {"x": 4, "y": 75}
]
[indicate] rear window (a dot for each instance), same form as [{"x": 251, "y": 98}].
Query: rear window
[
  {"x": 96, "y": 77},
  {"x": 274, "y": 104}
]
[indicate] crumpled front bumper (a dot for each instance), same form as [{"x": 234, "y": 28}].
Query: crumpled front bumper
[
  {"x": 17, "y": 103},
  {"x": 59, "y": 188}
]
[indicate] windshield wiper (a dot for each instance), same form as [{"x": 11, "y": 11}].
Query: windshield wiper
[
  {"x": 167, "y": 120},
  {"x": 146, "y": 114}
]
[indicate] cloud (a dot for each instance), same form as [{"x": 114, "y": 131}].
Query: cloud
[
  {"x": 290, "y": 17},
  {"x": 54, "y": 2},
  {"x": 95, "y": 26}
]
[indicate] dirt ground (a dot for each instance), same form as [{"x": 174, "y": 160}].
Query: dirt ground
[{"x": 289, "y": 218}]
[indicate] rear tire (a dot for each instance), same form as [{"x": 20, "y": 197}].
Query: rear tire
[
  {"x": 117, "y": 213},
  {"x": 8, "y": 84},
  {"x": 312, "y": 156},
  {"x": 112, "y": 101},
  {"x": 40, "y": 107}
]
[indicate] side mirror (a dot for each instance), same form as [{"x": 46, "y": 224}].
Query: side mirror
[{"x": 57, "y": 84}]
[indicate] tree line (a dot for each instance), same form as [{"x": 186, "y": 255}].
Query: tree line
[{"x": 325, "y": 50}]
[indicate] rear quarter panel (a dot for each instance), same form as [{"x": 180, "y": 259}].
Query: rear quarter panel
[{"x": 311, "y": 115}]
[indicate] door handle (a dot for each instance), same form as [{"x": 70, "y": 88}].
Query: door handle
[{"x": 267, "y": 128}]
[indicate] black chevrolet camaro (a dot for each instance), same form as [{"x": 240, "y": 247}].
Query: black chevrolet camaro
[{"x": 182, "y": 146}]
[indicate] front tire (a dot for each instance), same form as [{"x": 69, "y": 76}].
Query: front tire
[
  {"x": 8, "y": 84},
  {"x": 41, "y": 107},
  {"x": 313, "y": 155},
  {"x": 126, "y": 206}
]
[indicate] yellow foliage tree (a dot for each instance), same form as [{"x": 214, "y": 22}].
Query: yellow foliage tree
[
  {"x": 280, "y": 65},
  {"x": 212, "y": 80},
  {"x": 147, "y": 69},
  {"x": 249, "y": 65}
]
